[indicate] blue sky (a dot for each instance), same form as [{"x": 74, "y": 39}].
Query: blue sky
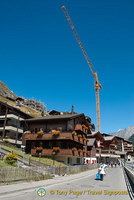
[{"x": 40, "y": 58}]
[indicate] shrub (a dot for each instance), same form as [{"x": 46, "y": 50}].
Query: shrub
[{"x": 11, "y": 158}]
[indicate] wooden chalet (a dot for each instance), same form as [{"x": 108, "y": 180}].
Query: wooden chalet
[
  {"x": 10, "y": 123},
  {"x": 61, "y": 136}
]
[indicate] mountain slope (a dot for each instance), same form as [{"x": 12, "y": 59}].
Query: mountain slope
[
  {"x": 31, "y": 107},
  {"x": 127, "y": 134},
  {"x": 6, "y": 92}
]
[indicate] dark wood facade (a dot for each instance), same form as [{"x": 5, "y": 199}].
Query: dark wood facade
[{"x": 71, "y": 136}]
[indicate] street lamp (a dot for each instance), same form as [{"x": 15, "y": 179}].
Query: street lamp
[
  {"x": 53, "y": 156},
  {"x": 23, "y": 150},
  {"x": 39, "y": 158}
]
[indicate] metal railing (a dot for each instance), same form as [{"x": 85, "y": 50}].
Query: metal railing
[{"x": 130, "y": 165}]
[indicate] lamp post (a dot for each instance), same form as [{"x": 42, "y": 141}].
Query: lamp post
[
  {"x": 99, "y": 155},
  {"x": 53, "y": 156},
  {"x": 23, "y": 150},
  {"x": 39, "y": 158}
]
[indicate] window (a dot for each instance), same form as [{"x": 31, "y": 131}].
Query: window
[
  {"x": 69, "y": 160},
  {"x": 78, "y": 160}
]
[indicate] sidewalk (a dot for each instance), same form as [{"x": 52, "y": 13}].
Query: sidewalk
[
  {"x": 113, "y": 183},
  {"x": 17, "y": 187}
]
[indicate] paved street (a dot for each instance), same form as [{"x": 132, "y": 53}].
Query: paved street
[{"x": 80, "y": 188}]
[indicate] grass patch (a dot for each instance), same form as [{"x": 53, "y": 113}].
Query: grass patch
[
  {"x": 4, "y": 164},
  {"x": 23, "y": 108},
  {"x": 48, "y": 161}
]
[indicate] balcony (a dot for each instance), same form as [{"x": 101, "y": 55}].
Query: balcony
[
  {"x": 61, "y": 152},
  {"x": 11, "y": 128},
  {"x": 129, "y": 145},
  {"x": 91, "y": 153},
  {"x": 49, "y": 136},
  {"x": 129, "y": 150},
  {"x": 10, "y": 116},
  {"x": 113, "y": 146},
  {"x": 82, "y": 128}
]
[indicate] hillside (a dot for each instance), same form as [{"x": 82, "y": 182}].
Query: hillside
[
  {"x": 127, "y": 134},
  {"x": 27, "y": 106},
  {"x": 6, "y": 92}
]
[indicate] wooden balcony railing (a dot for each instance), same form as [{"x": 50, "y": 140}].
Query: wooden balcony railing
[
  {"x": 49, "y": 136},
  {"x": 61, "y": 152},
  {"x": 83, "y": 128}
]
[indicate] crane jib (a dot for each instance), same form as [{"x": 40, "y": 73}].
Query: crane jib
[{"x": 97, "y": 84}]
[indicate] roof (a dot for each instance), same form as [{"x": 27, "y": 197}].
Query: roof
[
  {"x": 107, "y": 138},
  {"x": 118, "y": 137},
  {"x": 91, "y": 142},
  {"x": 54, "y": 117},
  {"x": 54, "y": 112},
  {"x": 105, "y": 134},
  {"x": 96, "y": 135}
]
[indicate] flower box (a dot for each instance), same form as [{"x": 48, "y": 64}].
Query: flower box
[
  {"x": 39, "y": 133},
  {"x": 74, "y": 149},
  {"x": 56, "y": 149},
  {"x": 84, "y": 126},
  {"x": 6, "y": 140},
  {"x": 39, "y": 149},
  {"x": 80, "y": 150},
  {"x": 27, "y": 132},
  {"x": 84, "y": 151},
  {"x": 79, "y": 136},
  {"x": 55, "y": 132},
  {"x": 74, "y": 133}
]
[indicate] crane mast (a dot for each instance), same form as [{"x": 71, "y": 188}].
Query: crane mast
[{"x": 97, "y": 84}]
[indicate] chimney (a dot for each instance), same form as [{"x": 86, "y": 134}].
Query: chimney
[{"x": 72, "y": 111}]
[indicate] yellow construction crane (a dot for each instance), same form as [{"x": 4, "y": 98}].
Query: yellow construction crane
[{"x": 97, "y": 84}]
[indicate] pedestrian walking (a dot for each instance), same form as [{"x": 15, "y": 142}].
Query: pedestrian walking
[{"x": 101, "y": 171}]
